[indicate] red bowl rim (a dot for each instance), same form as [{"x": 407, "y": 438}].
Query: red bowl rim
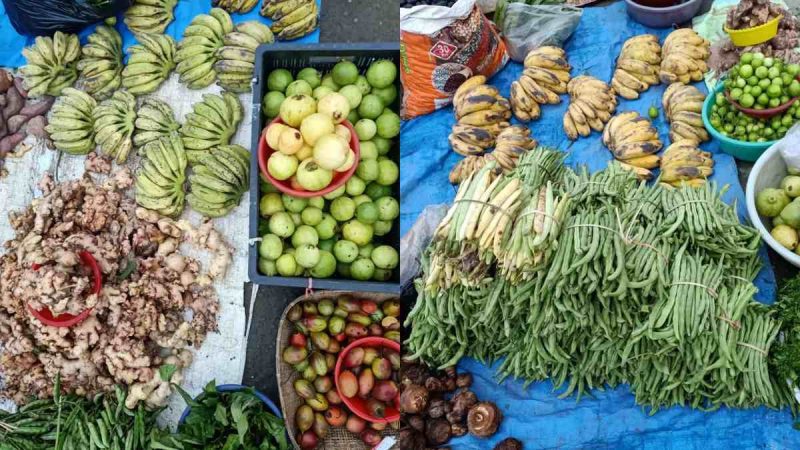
[
  {"x": 264, "y": 152},
  {"x": 66, "y": 320},
  {"x": 371, "y": 341},
  {"x": 760, "y": 113}
]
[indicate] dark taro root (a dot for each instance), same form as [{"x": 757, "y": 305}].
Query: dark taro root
[
  {"x": 413, "y": 399},
  {"x": 508, "y": 444},
  {"x": 438, "y": 432},
  {"x": 484, "y": 419},
  {"x": 410, "y": 439}
]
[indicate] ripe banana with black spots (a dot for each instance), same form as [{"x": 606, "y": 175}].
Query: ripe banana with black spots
[
  {"x": 154, "y": 120},
  {"x": 512, "y": 143},
  {"x": 197, "y": 51},
  {"x": 633, "y": 141},
  {"x": 212, "y": 123},
  {"x": 161, "y": 176},
  {"x": 150, "y": 16},
  {"x": 464, "y": 168},
  {"x": 637, "y": 66},
  {"x": 684, "y": 56},
  {"x": 114, "y": 122},
  {"x": 235, "y": 6},
  {"x": 592, "y": 103},
  {"x": 236, "y": 59},
  {"x": 477, "y": 104},
  {"x": 220, "y": 178},
  {"x": 546, "y": 75},
  {"x": 149, "y": 63},
  {"x": 101, "y": 65},
  {"x": 684, "y": 164},
  {"x": 292, "y": 18},
  {"x": 683, "y": 106},
  {"x": 71, "y": 122},
  {"x": 51, "y": 64}
]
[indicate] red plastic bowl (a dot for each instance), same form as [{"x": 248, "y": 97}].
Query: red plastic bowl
[
  {"x": 65, "y": 320},
  {"x": 357, "y": 404},
  {"x": 339, "y": 178}
]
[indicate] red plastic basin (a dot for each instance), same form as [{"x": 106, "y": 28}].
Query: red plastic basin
[{"x": 357, "y": 404}]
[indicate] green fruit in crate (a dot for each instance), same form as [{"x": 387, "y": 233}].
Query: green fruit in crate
[
  {"x": 298, "y": 87},
  {"x": 387, "y": 94},
  {"x": 383, "y": 144},
  {"x": 362, "y": 269},
  {"x": 344, "y": 73},
  {"x": 345, "y": 251},
  {"x": 326, "y": 266},
  {"x": 357, "y": 232},
  {"x": 316, "y": 202},
  {"x": 388, "y": 208},
  {"x": 270, "y": 247},
  {"x": 336, "y": 193},
  {"x": 363, "y": 85},
  {"x": 366, "y": 129},
  {"x": 321, "y": 91},
  {"x": 311, "y": 216},
  {"x": 353, "y": 95},
  {"x": 382, "y": 274},
  {"x": 267, "y": 267},
  {"x": 371, "y": 107},
  {"x": 353, "y": 117},
  {"x": 368, "y": 170},
  {"x": 376, "y": 191},
  {"x": 296, "y": 108},
  {"x": 327, "y": 228},
  {"x": 382, "y": 227},
  {"x": 388, "y": 125},
  {"x": 334, "y": 105},
  {"x": 368, "y": 149},
  {"x": 307, "y": 255},
  {"x": 272, "y": 103},
  {"x": 381, "y": 74},
  {"x": 328, "y": 82},
  {"x": 281, "y": 224},
  {"x": 385, "y": 257},
  {"x": 343, "y": 209},
  {"x": 279, "y": 80},
  {"x": 367, "y": 213},
  {"x": 365, "y": 251},
  {"x": 388, "y": 172},
  {"x": 286, "y": 265},
  {"x": 343, "y": 269},
  {"x": 355, "y": 186},
  {"x": 311, "y": 76},
  {"x": 327, "y": 244},
  {"x": 359, "y": 199},
  {"x": 305, "y": 235},
  {"x": 315, "y": 126},
  {"x": 293, "y": 204},
  {"x": 270, "y": 204},
  {"x": 312, "y": 177}
]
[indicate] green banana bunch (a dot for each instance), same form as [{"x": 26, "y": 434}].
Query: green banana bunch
[
  {"x": 101, "y": 65},
  {"x": 197, "y": 52},
  {"x": 219, "y": 180},
  {"x": 51, "y": 64},
  {"x": 160, "y": 178},
  {"x": 233, "y": 6},
  {"x": 293, "y": 18},
  {"x": 150, "y": 16},
  {"x": 71, "y": 126},
  {"x": 154, "y": 120},
  {"x": 149, "y": 63},
  {"x": 114, "y": 120},
  {"x": 237, "y": 57},
  {"x": 211, "y": 123}
]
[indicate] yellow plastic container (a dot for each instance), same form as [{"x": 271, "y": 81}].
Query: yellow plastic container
[{"x": 755, "y": 35}]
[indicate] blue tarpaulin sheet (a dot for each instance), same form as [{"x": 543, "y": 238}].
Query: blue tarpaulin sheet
[
  {"x": 611, "y": 419},
  {"x": 12, "y": 43}
]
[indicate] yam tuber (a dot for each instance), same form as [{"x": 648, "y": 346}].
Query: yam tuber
[
  {"x": 14, "y": 103},
  {"x": 6, "y": 80}
]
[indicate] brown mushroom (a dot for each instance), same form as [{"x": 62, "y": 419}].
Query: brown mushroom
[
  {"x": 464, "y": 380},
  {"x": 508, "y": 444},
  {"x": 484, "y": 419},
  {"x": 437, "y": 432},
  {"x": 413, "y": 399},
  {"x": 463, "y": 401}
]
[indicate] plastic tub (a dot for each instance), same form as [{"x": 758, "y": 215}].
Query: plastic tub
[
  {"x": 663, "y": 17},
  {"x": 755, "y": 35},
  {"x": 356, "y": 404},
  {"x": 339, "y": 178},
  {"x": 323, "y": 57},
  {"x": 767, "y": 172},
  {"x": 746, "y": 151},
  {"x": 233, "y": 388}
]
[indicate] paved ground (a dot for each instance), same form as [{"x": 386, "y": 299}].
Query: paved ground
[{"x": 341, "y": 21}]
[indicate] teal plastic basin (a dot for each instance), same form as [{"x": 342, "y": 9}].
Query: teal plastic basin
[{"x": 746, "y": 151}]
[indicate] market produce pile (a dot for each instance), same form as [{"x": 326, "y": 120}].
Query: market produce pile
[
  {"x": 345, "y": 231},
  {"x": 626, "y": 282},
  {"x": 321, "y": 329},
  {"x": 137, "y": 322}
]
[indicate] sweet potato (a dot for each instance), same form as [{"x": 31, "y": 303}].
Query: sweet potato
[
  {"x": 9, "y": 142},
  {"x": 20, "y": 87},
  {"x": 6, "y": 80},
  {"x": 14, "y": 103},
  {"x": 16, "y": 122},
  {"x": 36, "y": 126},
  {"x": 39, "y": 108}
]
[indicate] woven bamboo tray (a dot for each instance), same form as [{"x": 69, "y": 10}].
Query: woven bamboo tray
[{"x": 337, "y": 438}]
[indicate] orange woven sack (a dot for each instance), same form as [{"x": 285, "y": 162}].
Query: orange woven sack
[{"x": 441, "y": 47}]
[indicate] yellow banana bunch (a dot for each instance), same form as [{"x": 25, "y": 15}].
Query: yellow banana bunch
[
  {"x": 512, "y": 143},
  {"x": 161, "y": 176},
  {"x": 235, "y": 6},
  {"x": 219, "y": 180},
  {"x": 637, "y": 66},
  {"x": 683, "y": 105},
  {"x": 545, "y": 76},
  {"x": 464, "y": 168},
  {"x": 149, "y": 63},
  {"x": 684, "y": 164},
  {"x": 478, "y": 104},
  {"x": 212, "y": 123},
  {"x": 633, "y": 141},
  {"x": 592, "y": 102},
  {"x": 154, "y": 120},
  {"x": 236, "y": 59},
  {"x": 150, "y": 16},
  {"x": 292, "y": 18},
  {"x": 101, "y": 65},
  {"x": 684, "y": 56},
  {"x": 114, "y": 121},
  {"x": 470, "y": 140},
  {"x": 197, "y": 51},
  {"x": 51, "y": 64},
  {"x": 71, "y": 122}
]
